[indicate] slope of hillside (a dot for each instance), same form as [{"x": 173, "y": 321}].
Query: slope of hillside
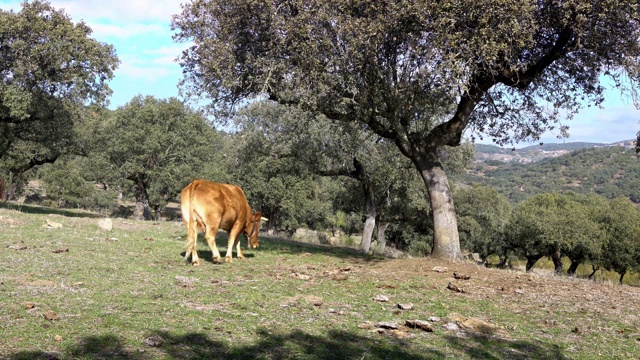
[
  {"x": 610, "y": 170},
  {"x": 535, "y": 153}
]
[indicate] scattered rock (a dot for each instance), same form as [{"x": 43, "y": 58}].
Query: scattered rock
[
  {"x": 381, "y": 298},
  {"x": 300, "y": 276},
  {"x": 154, "y": 341},
  {"x": 52, "y": 225},
  {"x": 434, "y": 319},
  {"x": 451, "y": 326},
  {"x": 18, "y": 247},
  {"x": 314, "y": 300},
  {"x": 57, "y": 338},
  {"x": 576, "y": 330},
  {"x": 454, "y": 288},
  {"x": 419, "y": 324},
  {"x": 339, "y": 277},
  {"x": 29, "y": 305},
  {"x": 405, "y": 306},
  {"x": 50, "y": 315},
  {"x": 368, "y": 325},
  {"x": 386, "y": 325},
  {"x": 440, "y": 269},
  {"x": 105, "y": 224},
  {"x": 519, "y": 291},
  {"x": 58, "y": 251},
  {"x": 398, "y": 334},
  {"x": 185, "y": 282},
  {"x": 461, "y": 276},
  {"x": 475, "y": 325}
]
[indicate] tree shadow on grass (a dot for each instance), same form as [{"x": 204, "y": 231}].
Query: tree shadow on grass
[
  {"x": 35, "y": 209},
  {"x": 494, "y": 348},
  {"x": 296, "y": 344},
  {"x": 284, "y": 246},
  {"x": 293, "y": 345}
]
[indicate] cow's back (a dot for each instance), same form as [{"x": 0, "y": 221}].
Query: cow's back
[{"x": 211, "y": 202}]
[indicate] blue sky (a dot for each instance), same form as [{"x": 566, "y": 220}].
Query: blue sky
[{"x": 140, "y": 31}]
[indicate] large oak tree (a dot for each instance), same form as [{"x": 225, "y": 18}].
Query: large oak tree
[
  {"x": 419, "y": 73},
  {"x": 51, "y": 70}
]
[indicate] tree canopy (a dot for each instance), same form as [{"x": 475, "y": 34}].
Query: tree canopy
[
  {"x": 419, "y": 73},
  {"x": 155, "y": 146},
  {"x": 51, "y": 69}
]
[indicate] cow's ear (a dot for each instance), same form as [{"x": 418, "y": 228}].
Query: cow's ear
[{"x": 257, "y": 216}]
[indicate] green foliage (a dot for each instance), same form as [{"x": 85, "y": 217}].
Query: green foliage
[
  {"x": 156, "y": 147},
  {"x": 411, "y": 237},
  {"x": 51, "y": 68},
  {"x": 621, "y": 223},
  {"x": 549, "y": 224},
  {"x": 483, "y": 215},
  {"x": 65, "y": 185}
]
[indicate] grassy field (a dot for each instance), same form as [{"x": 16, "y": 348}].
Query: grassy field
[{"x": 79, "y": 292}]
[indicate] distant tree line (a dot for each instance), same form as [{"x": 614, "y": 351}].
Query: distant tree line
[{"x": 584, "y": 228}]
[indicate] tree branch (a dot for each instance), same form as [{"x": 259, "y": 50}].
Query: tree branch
[{"x": 33, "y": 163}]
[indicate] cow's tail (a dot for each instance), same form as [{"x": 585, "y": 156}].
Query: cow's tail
[
  {"x": 192, "y": 233},
  {"x": 192, "y": 214}
]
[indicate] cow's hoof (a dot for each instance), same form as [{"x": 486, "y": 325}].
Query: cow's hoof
[
  {"x": 217, "y": 260},
  {"x": 195, "y": 263},
  {"x": 228, "y": 259}
]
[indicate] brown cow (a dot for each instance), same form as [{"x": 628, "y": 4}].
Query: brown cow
[{"x": 211, "y": 206}]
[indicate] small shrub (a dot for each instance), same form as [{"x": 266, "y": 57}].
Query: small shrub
[
  {"x": 348, "y": 240},
  {"x": 419, "y": 249}
]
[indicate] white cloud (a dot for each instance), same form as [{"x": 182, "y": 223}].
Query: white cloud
[
  {"x": 142, "y": 70},
  {"x": 122, "y": 11},
  {"x": 120, "y": 31}
]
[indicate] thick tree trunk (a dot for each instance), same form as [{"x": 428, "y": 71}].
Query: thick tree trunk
[
  {"x": 446, "y": 241},
  {"x": 271, "y": 223},
  {"x": 571, "y": 271},
  {"x": 367, "y": 233},
  {"x": 382, "y": 241},
  {"x": 2, "y": 188},
  {"x": 11, "y": 188},
  {"x": 531, "y": 262},
  {"x": 370, "y": 214},
  {"x": 504, "y": 260},
  {"x": 557, "y": 262},
  {"x": 622, "y": 276},
  {"x": 142, "y": 211}
]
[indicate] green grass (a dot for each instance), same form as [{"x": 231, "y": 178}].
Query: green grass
[{"x": 112, "y": 291}]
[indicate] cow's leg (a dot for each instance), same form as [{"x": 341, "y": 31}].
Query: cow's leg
[
  {"x": 238, "y": 248},
  {"x": 210, "y": 236},
  {"x": 192, "y": 236},
  {"x": 233, "y": 240}
]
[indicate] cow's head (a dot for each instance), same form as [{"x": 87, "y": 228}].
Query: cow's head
[{"x": 252, "y": 234}]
